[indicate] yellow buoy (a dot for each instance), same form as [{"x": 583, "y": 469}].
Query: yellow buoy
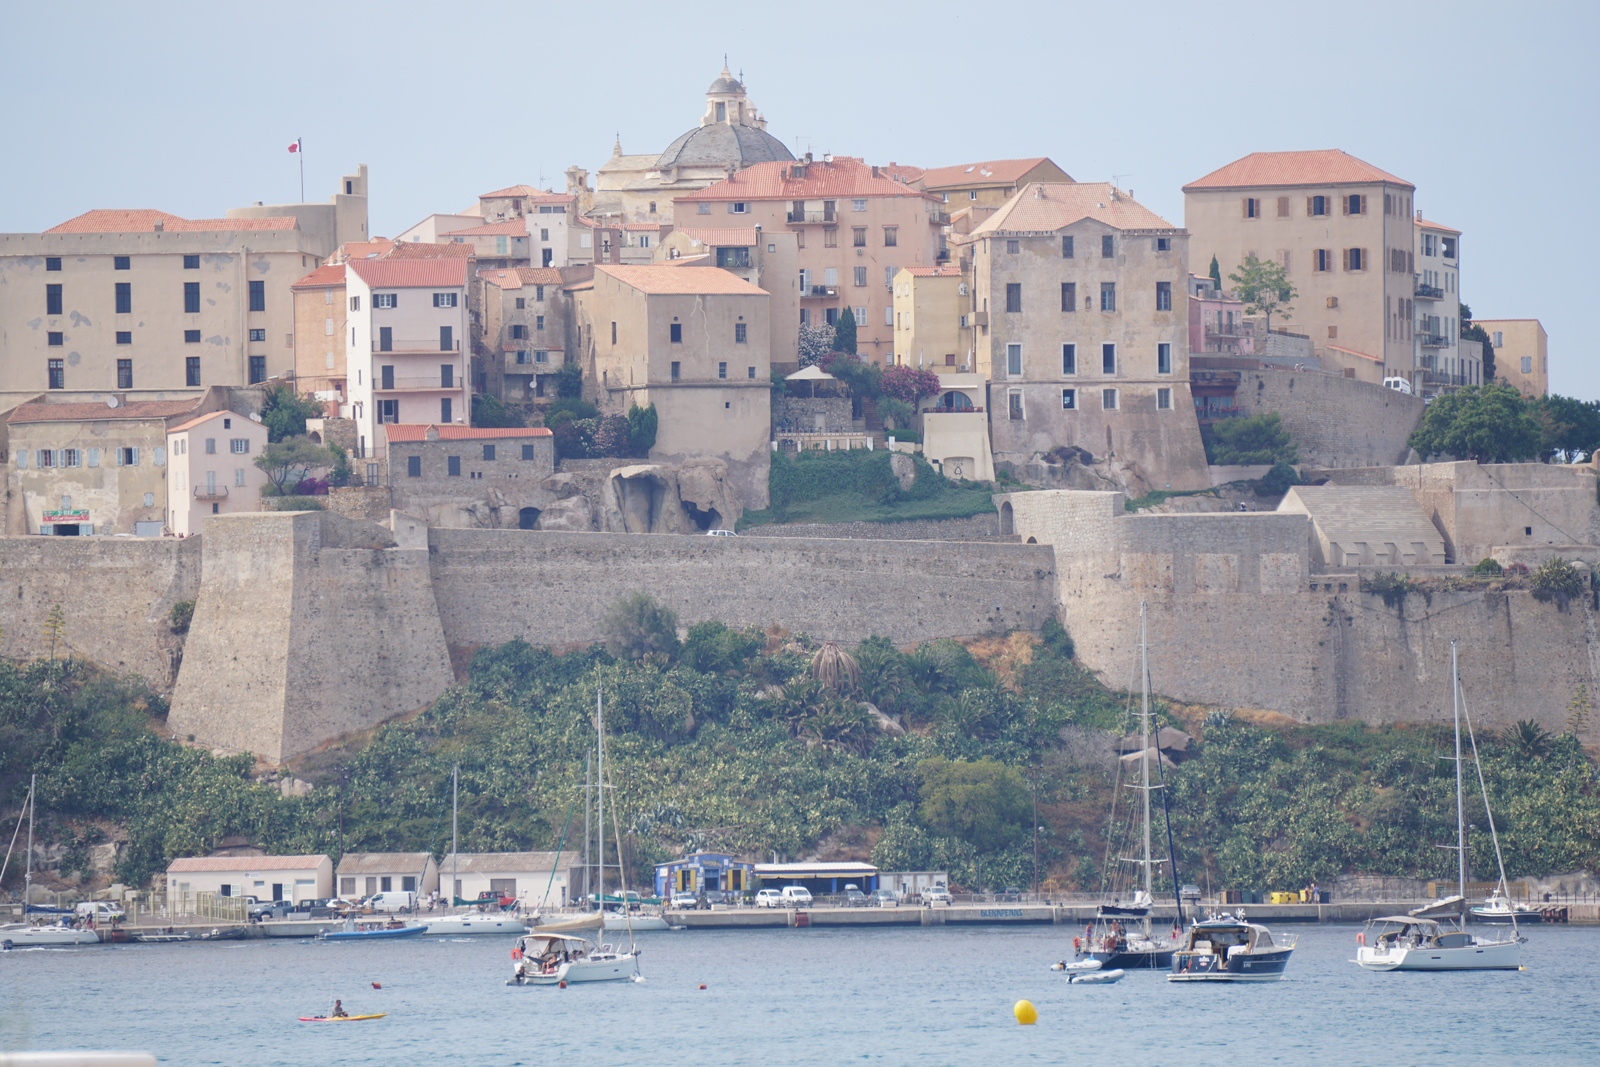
[{"x": 1025, "y": 1012}]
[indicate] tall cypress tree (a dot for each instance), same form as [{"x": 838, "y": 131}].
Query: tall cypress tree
[
  {"x": 1216, "y": 273},
  {"x": 844, "y": 333}
]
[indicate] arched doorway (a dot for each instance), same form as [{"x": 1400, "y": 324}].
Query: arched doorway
[
  {"x": 1006, "y": 524},
  {"x": 954, "y": 401},
  {"x": 528, "y": 519}
]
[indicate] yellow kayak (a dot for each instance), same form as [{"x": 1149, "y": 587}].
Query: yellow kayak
[{"x": 340, "y": 1018}]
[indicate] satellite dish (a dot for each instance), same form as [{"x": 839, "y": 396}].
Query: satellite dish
[
  {"x": 254, "y": 416},
  {"x": 111, "y": 401}
]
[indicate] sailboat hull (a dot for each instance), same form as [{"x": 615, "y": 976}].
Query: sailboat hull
[
  {"x": 1133, "y": 959},
  {"x": 1492, "y": 956},
  {"x": 615, "y": 969}
]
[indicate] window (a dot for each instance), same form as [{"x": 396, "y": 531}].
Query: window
[
  {"x": 1108, "y": 247},
  {"x": 1013, "y": 247},
  {"x": 1252, "y": 207},
  {"x": 124, "y": 374},
  {"x": 538, "y": 322},
  {"x": 384, "y": 300},
  {"x": 124, "y": 298},
  {"x": 891, "y": 236},
  {"x": 447, "y": 341},
  {"x": 1163, "y": 399},
  {"x": 444, "y": 300},
  {"x": 740, "y": 331},
  {"x": 541, "y": 356},
  {"x": 1447, "y": 247},
  {"x": 52, "y": 263},
  {"x": 1014, "y": 404},
  {"x": 69, "y": 457},
  {"x": 830, "y": 237},
  {"x": 191, "y": 337},
  {"x": 1163, "y": 244},
  {"x": 722, "y": 370},
  {"x": 519, "y": 331},
  {"x": 258, "y": 335},
  {"x": 1066, "y": 248},
  {"x": 861, "y": 277},
  {"x": 1108, "y": 296},
  {"x": 675, "y": 333},
  {"x": 521, "y": 303},
  {"x": 488, "y": 452},
  {"x": 127, "y": 457},
  {"x": 258, "y": 369},
  {"x": 239, "y": 446},
  {"x": 1069, "y": 359},
  {"x": 527, "y": 451},
  {"x": 538, "y": 293},
  {"x": 191, "y": 298},
  {"x": 238, "y": 476},
  {"x": 750, "y": 372},
  {"x": 677, "y": 369},
  {"x": 1014, "y": 360},
  {"x": 1069, "y": 296},
  {"x": 124, "y": 337},
  {"x": 1527, "y": 364},
  {"x": 258, "y": 296},
  {"x": 446, "y": 410},
  {"x": 121, "y": 263},
  {"x": 703, "y": 208},
  {"x": 191, "y": 262},
  {"x": 1013, "y": 296},
  {"x": 1163, "y": 359},
  {"x": 55, "y": 338},
  {"x": 858, "y": 236},
  {"x": 452, "y": 466},
  {"x": 1069, "y": 400},
  {"x": 447, "y": 375},
  {"x": 1321, "y": 259},
  {"x": 613, "y": 333},
  {"x": 1316, "y": 206},
  {"x": 1355, "y": 204},
  {"x": 1283, "y": 207},
  {"x": 1108, "y": 359},
  {"x": 47, "y": 457},
  {"x": 1108, "y": 399},
  {"x": 738, "y": 207},
  {"x": 1355, "y": 259},
  {"x": 191, "y": 370},
  {"x": 211, "y": 446},
  {"x": 388, "y": 411},
  {"x": 355, "y": 303},
  {"x": 56, "y": 370},
  {"x": 1163, "y": 296},
  {"x": 52, "y": 299},
  {"x": 858, "y": 204}
]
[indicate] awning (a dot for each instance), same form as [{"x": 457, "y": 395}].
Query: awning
[{"x": 812, "y": 373}]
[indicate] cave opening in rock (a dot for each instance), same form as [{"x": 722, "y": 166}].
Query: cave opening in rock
[
  {"x": 528, "y": 519},
  {"x": 703, "y": 520}
]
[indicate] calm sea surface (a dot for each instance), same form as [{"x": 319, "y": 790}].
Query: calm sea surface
[{"x": 778, "y": 997}]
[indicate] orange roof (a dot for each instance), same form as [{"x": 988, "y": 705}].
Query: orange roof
[
  {"x": 399, "y": 431},
  {"x": 245, "y": 863},
  {"x": 518, "y": 226},
  {"x": 1049, "y": 206},
  {"x": 410, "y": 273},
  {"x": 192, "y": 423},
  {"x": 362, "y": 249},
  {"x": 426, "y": 250},
  {"x": 641, "y": 225},
  {"x": 733, "y": 235},
  {"x": 845, "y": 177},
  {"x": 903, "y": 172},
  {"x": 326, "y": 275},
  {"x": 945, "y": 271},
  {"x": 994, "y": 172},
  {"x": 1425, "y": 224},
  {"x": 517, "y": 277},
  {"x": 1363, "y": 355},
  {"x": 145, "y": 220},
  {"x": 660, "y": 279},
  {"x": 512, "y": 190},
  {"x": 1328, "y": 166},
  {"x": 42, "y": 411}
]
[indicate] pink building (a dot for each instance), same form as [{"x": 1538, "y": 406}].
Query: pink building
[{"x": 211, "y": 469}]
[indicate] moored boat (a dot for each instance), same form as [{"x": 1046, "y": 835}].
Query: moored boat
[
  {"x": 1230, "y": 949},
  {"x": 26, "y": 935},
  {"x": 161, "y": 937},
  {"x": 557, "y": 959},
  {"x": 475, "y": 922},
  {"x": 378, "y": 931},
  {"x": 1499, "y": 908}
]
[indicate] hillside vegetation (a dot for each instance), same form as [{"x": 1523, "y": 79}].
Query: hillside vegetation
[
  {"x": 860, "y": 486},
  {"x": 751, "y": 742}
]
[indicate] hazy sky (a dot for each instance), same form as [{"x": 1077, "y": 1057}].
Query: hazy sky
[{"x": 1489, "y": 108}]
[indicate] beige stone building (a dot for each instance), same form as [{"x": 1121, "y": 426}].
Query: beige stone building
[
  {"x": 319, "y": 336},
  {"x": 1521, "y": 353},
  {"x": 768, "y": 259},
  {"x": 932, "y": 324},
  {"x": 856, "y": 226},
  {"x": 693, "y": 342},
  {"x": 361, "y": 874},
  {"x": 1342, "y": 229},
  {"x": 466, "y": 477},
  {"x": 985, "y": 186},
  {"x": 1443, "y": 361},
  {"x": 1082, "y": 332},
  {"x": 520, "y": 338},
  {"x": 211, "y": 469}
]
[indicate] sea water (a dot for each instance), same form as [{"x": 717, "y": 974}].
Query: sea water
[{"x": 791, "y": 996}]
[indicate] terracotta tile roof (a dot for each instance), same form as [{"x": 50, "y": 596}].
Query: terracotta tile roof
[
  {"x": 400, "y": 431},
  {"x": 192, "y": 423},
  {"x": 383, "y": 862},
  {"x": 362, "y": 249},
  {"x": 555, "y": 198},
  {"x": 197, "y": 864},
  {"x": 661, "y": 279},
  {"x": 144, "y": 220},
  {"x": 511, "y": 190},
  {"x": 517, "y": 226},
  {"x": 325, "y": 275},
  {"x": 741, "y": 236},
  {"x": 1425, "y": 224},
  {"x": 903, "y": 172},
  {"x": 43, "y": 411},
  {"x": 1328, "y": 166},
  {"x": 427, "y": 250},
  {"x": 993, "y": 172},
  {"x": 1048, "y": 206},
  {"x": 410, "y": 273},
  {"x": 517, "y": 277},
  {"x": 1363, "y": 355},
  {"x": 844, "y": 178},
  {"x": 945, "y": 271},
  {"x": 508, "y": 862},
  {"x": 641, "y": 225}
]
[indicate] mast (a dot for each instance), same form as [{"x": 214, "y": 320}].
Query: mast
[
  {"x": 599, "y": 795},
  {"x": 455, "y": 848},
  {"x": 1461, "y": 817},
  {"x": 27, "y": 872},
  {"x": 1144, "y": 739},
  {"x": 588, "y": 784}
]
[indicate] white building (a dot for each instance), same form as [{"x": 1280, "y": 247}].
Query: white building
[
  {"x": 532, "y": 878},
  {"x": 1443, "y": 361},
  {"x": 211, "y": 469},
  {"x": 291, "y": 878},
  {"x": 362, "y": 874}
]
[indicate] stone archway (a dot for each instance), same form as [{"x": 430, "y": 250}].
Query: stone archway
[
  {"x": 528, "y": 519},
  {"x": 1007, "y": 526}
]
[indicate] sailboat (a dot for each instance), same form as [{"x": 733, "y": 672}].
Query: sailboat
[
  {"x": 1122, "y": 935},
  {"x": 547, "y": 956},
  {"x": 22, "y": 934},
  {"x": 476, "y": 919},
  {"x": 1418, "y": 940}
]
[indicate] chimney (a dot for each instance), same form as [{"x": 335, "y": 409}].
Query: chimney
[
  {"x": 875, "y": 170},
  {"x": 1038, "y": 192},
  {"x": 431, "y": 433}
]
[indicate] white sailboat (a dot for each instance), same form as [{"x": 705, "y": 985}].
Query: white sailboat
[
  {"x": 24, "y": 934},
  {"x": 1418, "y": 941},
  {"x": 474, "y": 920}
]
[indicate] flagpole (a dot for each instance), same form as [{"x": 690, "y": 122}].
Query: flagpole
[{"x": 302, "y": 154}]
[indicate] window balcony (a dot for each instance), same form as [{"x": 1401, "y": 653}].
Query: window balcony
[
  {"x": 431, "y": 384},
  {"x": 1229, "y": 329},
  {"x": 814, "y": 218},
  {"x": 1439, "y": 377},
  {"x": 820, "y": 292},
  {"x": 211, "y": 492},
  {"x": 939, "y": 218},
  {"x": 1433, "y": 340},
  {"x": 1429, "y": 292},
  {"x": 403, "y": 346}
]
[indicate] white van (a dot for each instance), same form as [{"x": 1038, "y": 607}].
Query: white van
[
  {"x": 394, "y": 900},
  {"x": 1399, "y": 385},
  {"x": 796, "y": 896},
  {"x": 101, "y": 911}
]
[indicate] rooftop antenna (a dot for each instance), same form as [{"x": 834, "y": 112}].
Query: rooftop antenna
[{"x": 1116, "y": 179}]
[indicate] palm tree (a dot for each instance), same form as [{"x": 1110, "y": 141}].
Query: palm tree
[
  {"x": 1529, "y": 739},
  {"x": 836, "y": 669}
]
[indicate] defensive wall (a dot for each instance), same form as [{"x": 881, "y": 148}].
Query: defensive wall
[
  {"x": 985, "y": 527},
  {"x": 1335, "y": 421}
]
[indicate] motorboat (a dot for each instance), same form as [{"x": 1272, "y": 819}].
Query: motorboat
[
  {"x": 560, "y": 959},
  {"x": 377, "y": 931},
  {"x": 1228, "y": 948},
  {"x": 616, "y": 920},
  {"x": 161, "y": 937},
  {"x": 1499, "y": 908},
  {"x": 26, "y": 935},
  {"x": 475, "y": 922}
]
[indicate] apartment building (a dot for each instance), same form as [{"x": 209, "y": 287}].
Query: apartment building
[
  {"x": 1444, "y": 362},
  {"x": 1082, "y": 332},
  {"x": 407, "y": 326},
  {"x": 856, "y": 226},
  {"x": 1521, "y": 353},
  {"x": 319, "y": 332},
  {"x": 1341, "y": 228},
  {"x": 693, "y": 342},
  {"x": 768, "y": 259},
  {"x": 521, "y": 337},
  {"x": 211, "y": 469}
]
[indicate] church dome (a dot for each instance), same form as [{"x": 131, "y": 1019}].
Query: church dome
[
  {"x": 725, "y": 84},
  {"x": 722, "y": 144}
]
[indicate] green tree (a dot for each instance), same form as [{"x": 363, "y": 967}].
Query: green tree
[
  {"x": 635, "y": 626},
  {"x": 284, "y": 412},
  {"x": 864, "y": 379},
  {"x": 1486, "y": 423},
  {"x": 569, "y": 381},
  {"x": 1216, "y": 273},
  {"x": 339, "y": 473},
  {"x": 293, "y": 457},
  {"x": 1264, "y": 287},
  {"x": 844, "y": 333},
  {"x": 642, "y": 424},
  {"x": 1471, "y": 331},
  {"x": 489, "y": 413},
  {"x": 983, "y": 802},
  {"x": 1249, "y": 441},
  {"x": 1569, "y": 429}
]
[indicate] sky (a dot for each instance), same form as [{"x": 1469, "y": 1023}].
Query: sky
[{"x": 1487, "y": 107}]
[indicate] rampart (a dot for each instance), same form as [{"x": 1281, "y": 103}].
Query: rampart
[
  {"x": 983, "y": 527},
  {"x": 1335, "y": 421}
]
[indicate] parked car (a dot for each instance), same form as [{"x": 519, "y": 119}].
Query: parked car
[
  {"x": 883, "y": 898},
  {"x": 710, "y": 897},
  {"x": 391, "y": 901},
  {"x": 796, "y": 896},
  {"x": 688, "y": 899},
  {"x": 1190, "y": 893},
  {"x": 938, "y": 896},
  {"x": 769, "y": 898},
  {"x": 261, "y": 909},
  {"x": 854, "y": 897},
  {"x": 101, "y": 911},
  {"x": 722, "y": 533}
]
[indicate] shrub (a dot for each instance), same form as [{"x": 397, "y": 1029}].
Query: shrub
[
  {"x": 180, "y": 616},
  {"x": 902, "y": 435},
  {"x": 642, "y": 423},
  {"x": 635, "y": 626},
  {"x": 1557, "y": 579},
  {"x": 611, "y": 436},
  {"x": 311, "y": 487},
  {"x": 1394, "y": 588},
  {"x": 1278, "y": 481},
  {"x": 1487, "y": 566},
  {"x": 1244, "y": 442},
  {"x": 292, "y": 503},
  {"x": 569, "y": 407}
]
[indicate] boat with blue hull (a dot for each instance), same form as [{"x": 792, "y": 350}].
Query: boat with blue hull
[
  {"x": 373, "y": 931},
  {"x": 1230, "y": 949}
]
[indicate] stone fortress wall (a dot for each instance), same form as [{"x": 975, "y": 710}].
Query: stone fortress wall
[{"x": 1336, "y": 421}]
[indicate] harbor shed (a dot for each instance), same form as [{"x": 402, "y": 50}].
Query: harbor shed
[
  {"x": 818, "y": 877},
  {"x": 362, "y": 874},
  {"x": 290, "y": 878},
  {"x": 705, "y": 870},
  {"x": 531, "y": 878}
]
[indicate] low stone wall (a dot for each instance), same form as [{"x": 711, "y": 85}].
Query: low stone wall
[
  {"x": 985, "y": 527},
  {"x": 370, "y": 502}
]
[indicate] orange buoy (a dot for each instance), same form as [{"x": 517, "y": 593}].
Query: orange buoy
[
  {"x": 377, "y": 985},
  {"x": 516, "y": 953},
  {"x": 1361, "y": 938},
  {"x": 702, "y": 985},
  {"x": 561, "y": 984}
]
